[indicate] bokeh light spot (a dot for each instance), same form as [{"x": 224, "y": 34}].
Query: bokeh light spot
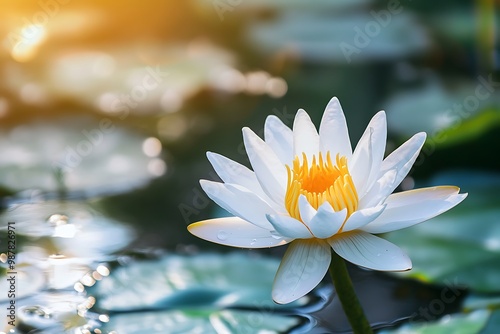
[{"x": 151, "y": 147}]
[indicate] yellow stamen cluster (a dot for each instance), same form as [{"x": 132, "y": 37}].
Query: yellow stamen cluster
[{"x": 320, "y": 182}]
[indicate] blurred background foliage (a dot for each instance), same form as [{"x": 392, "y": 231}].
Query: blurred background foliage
[{"x": 107, "y": 109}]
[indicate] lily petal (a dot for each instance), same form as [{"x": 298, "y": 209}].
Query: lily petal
[
  {"x": 302, "y": 268},
  {"x": 239, "y": 201},
  {"x": 401, "y": 160},
  {"x": 268, "y": 169},
  {"x": 333, "y": 132},
  {"x": 280, "y": 138},
  {"x": 289, "y": 227},
  {"x": 306, "y": 210},
  {"x": 411, "y": 207},
  {"x": 363, "y": 217},
  {"x": 379, "y": 190},
  {"x": 327, "y": 222},
  {"x": 235, "y": 232},
  {"x": 369, "y": 153},
  {"x": 232, "y": 172},
  {"x": 369, "y": 251},
  {"x": 305, "y": 136}
]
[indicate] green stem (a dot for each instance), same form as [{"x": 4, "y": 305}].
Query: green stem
[{"x": 347, "y": 295}]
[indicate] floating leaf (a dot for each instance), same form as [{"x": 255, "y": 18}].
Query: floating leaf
[
  {"x": 476, "y": 301},
  {"x": 493, "y": 323},
  {"x": 79, "y": 155},
  {"x": 200, "y": 321},
  {"x": 319, "y": 37},
  {"x": 467, "y": 129},
  {"x": 457, "y": 324},
  {"x": 233, "y": 280},
  {"x": 433, "y": 108},
  {"x": 68, "y": 228}
]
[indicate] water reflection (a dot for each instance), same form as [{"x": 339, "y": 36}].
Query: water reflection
[
  {"x": 61, "y": 243},
  {"x": 30, "y": 37},
  {"x": 77, "y": 155}
]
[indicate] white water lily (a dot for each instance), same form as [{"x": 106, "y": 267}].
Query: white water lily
[{"x": 311, "y": 190}]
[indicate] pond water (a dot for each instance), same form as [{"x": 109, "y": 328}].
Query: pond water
[{"x": 107, "y": 111}]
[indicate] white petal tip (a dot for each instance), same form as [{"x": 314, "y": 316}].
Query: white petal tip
[
  {"x": 280, "y": 300},
  {"x": 303, "y": 198},
  {"x": 286, "y": 295},
  {"x": 205, "y": 183},
  {"x": 278, "y": 297},
  {"x": 403, "y": 264},
  {"x": 333, "y": 100},
  {"x": 407, "y": 267},
  {"x": 422, "y": 135},
  {"x": 246, "y": 131}
]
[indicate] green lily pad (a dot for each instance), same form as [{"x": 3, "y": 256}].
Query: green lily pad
[
  {"x": 81, "y": 156},
  {"x": 232, "y": 280},
  {"x": 476, "y": 301},
  {"x": 67, "y": 228},
  {"x": 200, "y": 321},
  {"x": 457, "y": 324},
  {"x": 457, "y": 25},
  {"x": 336, "y": 38},
  {"x": 445, "y": 114},
  {"x": 468, "y": 129},
  {"x": 462, "y": 246},
  {"x": 493, "y": 323}
]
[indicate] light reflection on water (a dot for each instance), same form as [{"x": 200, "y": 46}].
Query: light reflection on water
[{"x": 58, "y": 243}]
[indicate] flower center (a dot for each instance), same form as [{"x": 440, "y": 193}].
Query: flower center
[{"x": 320, "y": 182}]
